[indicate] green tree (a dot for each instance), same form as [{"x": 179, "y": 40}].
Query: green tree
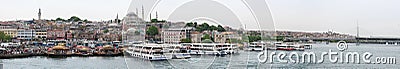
[
  {"x": 195, "y": 24},
  {"x": 254, "y": 38},
  {"x": 5, "y": 37},
  {"x": 206, "y": 36},
  {"x": 152, "y": 31},
  {"x": 106, "y": 31},
  {"x": 156, "y": 20},
  {"x": 203, "y": 27},
  {"x": 212, "y": 27},
  {"x": 220, "y": 29},
  {"x": 74, "y": 19},
  {"x": 60, "y": 19},
  {"x": 207, "y": 41},
  {"x": 187, "y": 40},
  {"x": 190, "y": 24}
]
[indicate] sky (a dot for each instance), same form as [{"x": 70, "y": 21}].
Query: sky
[{"x": 376, "y": 18}]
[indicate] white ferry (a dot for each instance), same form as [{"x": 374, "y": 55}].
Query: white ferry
[
  {"x": 177, "y": 51},
  {"x": 211, "y": 48},
  {"x": 147, "y": 51},
  {"x": 290, "y": 47},
  {"x": 256, "y": 46}
]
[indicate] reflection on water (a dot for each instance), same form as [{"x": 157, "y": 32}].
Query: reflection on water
[{"x": 237, "y": 61}]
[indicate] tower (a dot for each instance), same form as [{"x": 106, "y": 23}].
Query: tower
[
  {"x": 39, "y": 15},
  {"x": 116, "y": 19},
  {"x": 156, "y": 15},
  {"x": 142, "y": 12}
]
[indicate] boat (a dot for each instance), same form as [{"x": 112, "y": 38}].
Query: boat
[
  {"x": 83, "y": 51},
  {"x": 218, "y": 49},
  {"x": 150, "y": 52},
  {"x": 177, "y": 51},
  {"x": 290, "y": 47},
  {"x": 256, "y": 46},
  {"x": 307, "y": 46},
  {"x": 107, "y": 50},
  {"x": 59, "y": 50}
]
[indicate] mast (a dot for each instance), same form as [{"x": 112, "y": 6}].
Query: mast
[{"x": 358, "y": 34}]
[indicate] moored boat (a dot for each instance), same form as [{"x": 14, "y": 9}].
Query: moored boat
[{"x": 147, "y": 51}]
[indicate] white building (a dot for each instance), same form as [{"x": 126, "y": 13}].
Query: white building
[
  {"x": 26, "y": 34},
  {"x": 174, "y": 35}
]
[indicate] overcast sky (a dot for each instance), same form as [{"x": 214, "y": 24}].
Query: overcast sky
[{"x": 375, "y": 17}]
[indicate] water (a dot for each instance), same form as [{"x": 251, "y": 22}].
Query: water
[{"x": 237, "y": 61}]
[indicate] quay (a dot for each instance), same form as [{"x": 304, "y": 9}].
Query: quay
[{"x": 60, "y": 51}]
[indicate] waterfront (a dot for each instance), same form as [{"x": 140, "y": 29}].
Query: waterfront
[{"x": 237, "y": 61}]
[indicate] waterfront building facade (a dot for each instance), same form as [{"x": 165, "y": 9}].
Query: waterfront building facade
[
  {"x": 26, "y": 34},
  {"x": 174, "y": 35}
]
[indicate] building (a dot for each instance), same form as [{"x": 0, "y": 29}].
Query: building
[
  {"x": 56, "y": 35},
  {"x": 174, "y": 35},
  {"x": 9, "y": 29},
  {"x": 41, "y": 34},
  {"x": 26, "y": 34},
  {"x": 224, "y": 37},
  {"x": 195, "y": 37}
]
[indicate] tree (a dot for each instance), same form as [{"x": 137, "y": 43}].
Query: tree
[
  {"x": 187, "y": 40},
  {"x": 203, "y": 27},
  {"x": 152, "y": 31},
  {"x": 156, "y": 20},
  {"x": 106, "y": 31},
  {"x": 206, "y": 36},
  {"x": 74, "y": 19},
  {"x": 60, "y": 19},
  {"x": 207, "y": 41},
  {"x": 5, "y": 37},
  {"x": 220, "y": 29},
  {"x": 254, "y": 38},
  {"x": 190, "y": 24},
  {"x": 213, "y": 28}
]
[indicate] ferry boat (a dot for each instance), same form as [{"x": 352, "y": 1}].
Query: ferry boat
[
  {"x": 83, "y": 51},
  {"x": 108, "y": 50},
  {"x": 211, "y": 48},
  {"x": 177, "y": 51},
  {"x": 147, "y": 51},
  {"x": 256, "y": 46},
  {"x": 290, "y": 47},
  {"x": 59, "y": 50}
]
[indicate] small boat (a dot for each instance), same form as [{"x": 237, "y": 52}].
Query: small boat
[
  {"x": 83, "y": 51},
  {"x": 59, "y": 50},
  {"x": 290, "y": 47},
  {"x": 108, "y": 50}
]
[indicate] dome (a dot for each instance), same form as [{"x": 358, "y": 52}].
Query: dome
[{"x": 132, "y": 18}]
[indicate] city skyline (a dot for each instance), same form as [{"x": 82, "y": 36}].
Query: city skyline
[{"x": 378, "y": 19}]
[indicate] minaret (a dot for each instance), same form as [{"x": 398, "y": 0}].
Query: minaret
[
  {"x": 150, "y": 16},
  {"x": 117, "y": 20},
  {"x": 156, "y": 14},
  {"x": 142, "y": 12},
  {"x": 39, "y": 15}
]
